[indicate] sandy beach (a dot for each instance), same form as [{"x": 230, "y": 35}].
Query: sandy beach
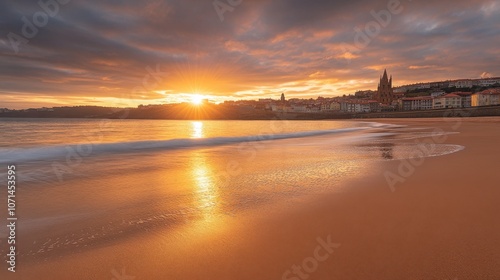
[
  {"x": 250, "y": 140},
  {"x": 438, "y": 221}
]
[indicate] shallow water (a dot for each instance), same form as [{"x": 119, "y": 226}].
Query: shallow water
[{"x": 77, "y": 197}]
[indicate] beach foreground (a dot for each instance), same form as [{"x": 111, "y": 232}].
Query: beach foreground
[{"x": 429, "y": 218}]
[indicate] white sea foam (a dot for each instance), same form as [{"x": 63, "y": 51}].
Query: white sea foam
[{"x": 20, "y": 155}]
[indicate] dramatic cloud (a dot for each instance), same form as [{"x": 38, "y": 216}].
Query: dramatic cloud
[{"x": 126, "y": 53}]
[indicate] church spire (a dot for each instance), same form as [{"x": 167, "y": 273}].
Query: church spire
[
  {"x": 385, "y": 93},
  {"x": 385, "y": 75}
]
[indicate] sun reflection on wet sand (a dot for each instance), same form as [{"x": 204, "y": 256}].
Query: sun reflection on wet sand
[
  {"x": 204, "y": 184},
  {"x": 202, "y": 175}
]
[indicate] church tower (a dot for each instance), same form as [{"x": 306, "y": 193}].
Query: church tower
[{"x": 385, "y": 95}]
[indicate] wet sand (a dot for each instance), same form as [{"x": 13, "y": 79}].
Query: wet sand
[{"x": 440, "y": 222}]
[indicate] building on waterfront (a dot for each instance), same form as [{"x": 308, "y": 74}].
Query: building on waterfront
[
  {"x": 466, "y": 98},
  {"x": 359, "y": 106},
  {"x": 450, "y": 100},
  {"x": 415, "y": 103},
  {"x": 485, "y": 98},
  {"x": 330, "y": 106},
  {"x": 385, "y": 93},
  {"x": 281, "y": 106}
]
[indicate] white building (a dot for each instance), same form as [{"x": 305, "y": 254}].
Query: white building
[
  {"x": 466, "y": 83},
  {"x": 417, "y": 103},
  {"x": 424, "y": 86},
  {"x": 485, "y": 98},
  {"x": 360, "y": 106},
  {"x": 437, "y": 94},
  {"x": 466, "y": 98},
  {"x": 313, "y": 109},
  {"x": 355, "y": 107},
  {"x": 447, "y": 101},
  {"x": 330, "y": 106},
  {"x": 488, "y": 82}
]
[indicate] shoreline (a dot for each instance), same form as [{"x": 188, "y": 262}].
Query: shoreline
[
  {"x": 437, "y": 224},
  {"x": 259, "y": 115}
]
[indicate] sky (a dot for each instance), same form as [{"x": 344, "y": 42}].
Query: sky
[{"x": 129, "y": 52}]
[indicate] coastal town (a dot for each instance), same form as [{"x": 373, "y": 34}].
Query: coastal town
[
  {"x": 421, "y": 97},
  {"x": 462, "y": 93}
]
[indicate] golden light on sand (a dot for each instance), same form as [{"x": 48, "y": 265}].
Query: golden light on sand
[{"x": 204, "y": 184}]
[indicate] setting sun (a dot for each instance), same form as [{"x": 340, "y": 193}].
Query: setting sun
[{"x": 196, "y": 99}]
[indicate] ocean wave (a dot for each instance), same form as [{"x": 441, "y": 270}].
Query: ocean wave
[{"x": 20, "y": 155}]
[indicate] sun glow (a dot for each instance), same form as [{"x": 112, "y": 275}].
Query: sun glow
[{"x": 197, "y": 99}]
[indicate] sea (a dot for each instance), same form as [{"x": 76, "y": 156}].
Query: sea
[{"x": 86, "y": 183}]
